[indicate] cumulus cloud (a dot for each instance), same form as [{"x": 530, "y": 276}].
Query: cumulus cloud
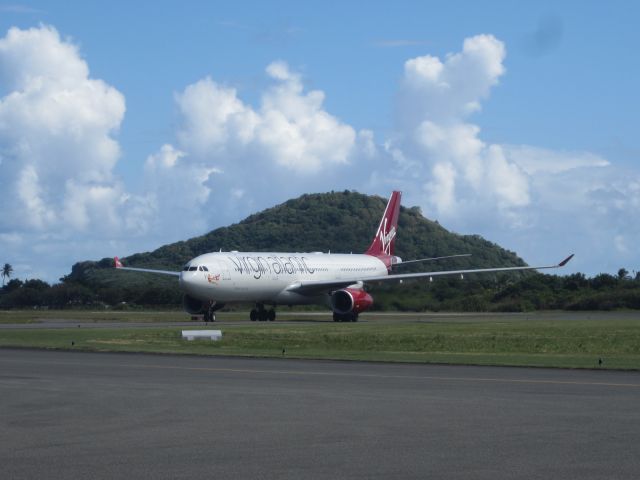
[
  {"x": 457, "y": 169},
  {"x": 57, "y": 127},
  {"x": 178, "y": 189},
  {"x": 58, "y": 150},
  {"x": 289, "y": 129},
  {"x": 214, "y": 120},
  {"x": 448, "y": 91}
]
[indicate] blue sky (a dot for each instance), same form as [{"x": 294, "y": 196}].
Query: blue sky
[{"x": 513, "y": 120}]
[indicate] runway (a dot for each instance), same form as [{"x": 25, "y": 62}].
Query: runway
[{"x": 70, "y": 414}]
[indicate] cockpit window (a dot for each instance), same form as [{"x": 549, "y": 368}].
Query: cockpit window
[{"x": 194, "y": 268}]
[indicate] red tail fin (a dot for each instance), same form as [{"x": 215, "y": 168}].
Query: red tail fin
[{"x": 384, "y": 241}]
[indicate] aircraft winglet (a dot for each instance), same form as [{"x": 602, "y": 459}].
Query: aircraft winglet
[
  {"x": 117, "y": 262},
  {"x": 565, "y": 261}
]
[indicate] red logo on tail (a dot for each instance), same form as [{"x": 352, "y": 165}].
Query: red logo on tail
[{"x": 384, "y": 241}]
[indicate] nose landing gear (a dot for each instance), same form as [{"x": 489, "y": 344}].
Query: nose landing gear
[{"x": 210, "y": 314}]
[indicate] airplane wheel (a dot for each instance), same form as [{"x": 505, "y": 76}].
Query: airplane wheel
[
  {"x": 336, "y": 317},
  {"x": 271, "y": 315},
  {"x": 262, "y": 314},
  {"x": 253, "y": 315},
  {"x": 354, "y": 317}
]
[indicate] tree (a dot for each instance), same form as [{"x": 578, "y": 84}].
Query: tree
[
  {"x": 623, "y": 274},
  {"x": 7, "y": 270}
]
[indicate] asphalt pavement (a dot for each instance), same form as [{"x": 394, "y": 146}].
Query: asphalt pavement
[{"x": 93, "y": 415}]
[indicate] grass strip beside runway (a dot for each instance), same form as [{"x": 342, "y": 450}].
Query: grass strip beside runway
[
  {"x": 85, "y": 316},
  {"x": 567, "y": 343}
]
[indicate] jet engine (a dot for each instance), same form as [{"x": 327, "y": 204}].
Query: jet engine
[{"x": 348, "y": 303}]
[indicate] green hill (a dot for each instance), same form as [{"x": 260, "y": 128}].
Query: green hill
[{"x": 338, "y": 221}]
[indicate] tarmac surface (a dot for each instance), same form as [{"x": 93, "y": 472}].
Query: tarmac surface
[{"x": 93, "y": 415}]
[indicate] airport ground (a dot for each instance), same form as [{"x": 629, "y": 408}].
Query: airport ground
[
  {"x": 601, "y": 340},
  {"x": 118, "y": 415}
]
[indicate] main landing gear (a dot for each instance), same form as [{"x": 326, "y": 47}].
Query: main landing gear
[
  {"x": 260, "y": 314},
  {"x": 345, "y": 317}
]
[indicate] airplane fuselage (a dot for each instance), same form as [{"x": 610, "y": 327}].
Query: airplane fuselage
[{"x": 265, "y": 277}]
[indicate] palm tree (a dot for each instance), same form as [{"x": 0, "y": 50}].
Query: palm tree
[{"x": 7, "y": 270}]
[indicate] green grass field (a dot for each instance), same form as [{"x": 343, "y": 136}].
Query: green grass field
[
  {"x": 84, "y": 316},
  {"x": 560, "y": 340}
]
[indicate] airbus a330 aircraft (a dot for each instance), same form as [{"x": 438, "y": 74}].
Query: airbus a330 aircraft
[{"x": 213, "y": 280}]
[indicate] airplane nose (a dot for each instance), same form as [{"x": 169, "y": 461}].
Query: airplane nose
[
  {"x": 187, "y": 279},
  {"x": 191, "y": 282}
]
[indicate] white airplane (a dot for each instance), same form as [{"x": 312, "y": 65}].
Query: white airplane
[{"x": 212, "y": 280}]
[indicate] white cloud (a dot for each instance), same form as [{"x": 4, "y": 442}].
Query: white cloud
[
  {"x": 505, "y": 179},
  {"x": 534, "y": 160},
  {"x": 58, "y": 150},
  {"x": 450, "y": 90},
  {"x": 289, "y": 129},
  {"x": 178, "y": 189},
  {"x": 214, "y": 120},
  {"x": 457, "y": 169},
  {"x": 56, "y": 136},
  {"x": 441, "y": 189}
]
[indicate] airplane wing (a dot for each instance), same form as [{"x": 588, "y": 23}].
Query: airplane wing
[
  {"x": 119, "y": 266},
  {"x": 430, "y": 259},
  {"x": 318, "y": 287}
]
